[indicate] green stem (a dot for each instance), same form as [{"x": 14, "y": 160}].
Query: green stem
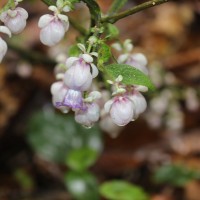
[
  {"x": 10, "y": 4},
  {"x": 116, "y": 6},
  {"x": 135, "y": 9}
]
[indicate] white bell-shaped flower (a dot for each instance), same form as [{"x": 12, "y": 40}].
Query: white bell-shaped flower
[
  {"x": 78, "y": 76},
  {"x": 53, "y": 29},
  {"x": 15, "y": 19},
  {"x": 121, "y": 110},
  {"x": 88, "y": 116}
]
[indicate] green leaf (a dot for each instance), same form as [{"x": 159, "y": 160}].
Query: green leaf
[
  {"x": 175, "y": 175},
  {"x": 131, "y": 75},
  {"x": 121, "y": 190},
  {"x": 113, "y": 31},
  {"x": 74, "y": 51},
  {"x": 53, "y": 136},
  {"x": 104, "y": 54},
  {"x": 81, "y": 159},
  {"x": 82, "y": 186}
]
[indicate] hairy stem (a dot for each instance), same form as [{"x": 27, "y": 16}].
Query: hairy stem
[{"x": 135, "y": 9}]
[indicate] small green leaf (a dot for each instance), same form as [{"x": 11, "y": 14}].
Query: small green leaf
[
  {"x": 175, "y": 175},
  {"x": 81, "y": 159},
  {"x": 82, "y": 186},
  {"x": 131, "y": 75},
  {"x": 74, "y": 51},
  {"x": 104, "y": 54},
  {"x": 113, "y": 31},
  {"x": 121, "y": 190}
]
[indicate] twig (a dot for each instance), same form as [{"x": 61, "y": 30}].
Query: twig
[{"x": 135, "y": 9}]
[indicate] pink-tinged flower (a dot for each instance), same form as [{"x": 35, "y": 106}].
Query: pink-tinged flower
[
  {"x": 53, "y": 28},
  {"x": 139, "y": 102},
  {"x": 121, "y": 110},
  {"x": 3, "y": 45},
  {"x": 79, "y": 76},
  {"x": 89, "y": 115},
  {"x": 139, "y": 61},
  {"x": 15, "y": 19}
]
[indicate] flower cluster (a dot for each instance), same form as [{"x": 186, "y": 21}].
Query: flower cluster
[
  {"x": 74, "y": 92},
  {"x": 14, "y": 23}
]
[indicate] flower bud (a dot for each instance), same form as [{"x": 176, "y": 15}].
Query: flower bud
[
  {"x": 52, "y": 29},
  {"x": 15, "y": 19}
]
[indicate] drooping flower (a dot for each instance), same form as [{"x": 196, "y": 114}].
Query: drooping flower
[
  {"x": 121, "y": 110},
  {"x": 3, "y": 45},
  {"x": 79, "y": 76},
  {"x": 15, "y": 19},
  {"x": 53, "y": 28},
  {"x": 88, "y": 116}
]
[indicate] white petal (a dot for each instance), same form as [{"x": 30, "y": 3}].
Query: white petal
[
  {"x": 139, "y": 102},
  {"x": 141, "y": 88},
  {"x": 95, "y": 95},
  {"x": 94, "y": 54},
  {"x": 95, "y": 71},
  {"x": 22, "y": 12},
  {"x": 66, "y": 9},
  {"x": 4, "y": 29},
  {"x": 108, "y": 105},
  {"x": 3, "y": 49},
  {"x": 88, "y": 58},
  {"x": 117, "y": 46},
  {"x": 81, "y": 47},
  {"x": 53, "y": 8},
  {"x": 63, "y": 17},
  {"x": 45, "y": 20},
  {"x": 70, "y": 61},
  {"x": 122, "y": 58},
  {"x": 140, "y": 58},
  {"x": 55, "y": 87}
]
